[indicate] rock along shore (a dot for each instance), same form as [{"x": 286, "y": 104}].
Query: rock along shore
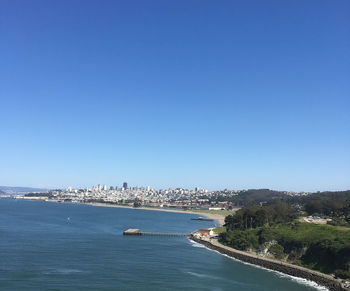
[{"x": 286, "y": 268}]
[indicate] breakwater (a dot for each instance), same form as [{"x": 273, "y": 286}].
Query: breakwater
[
  {"x": 134, "y": 231},
  {"x": 296, "y": 271}
]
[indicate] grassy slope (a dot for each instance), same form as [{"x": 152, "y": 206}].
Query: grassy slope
[
  {"x": 298, "y": 236},
  {"x": 219, "y": 230},
  {"x": 310, "y": 233}
]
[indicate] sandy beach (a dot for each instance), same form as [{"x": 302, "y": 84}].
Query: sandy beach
[{"x": 219, "y": 218}]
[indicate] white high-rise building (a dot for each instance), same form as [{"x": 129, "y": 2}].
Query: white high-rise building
[
  {"x": 99, "y": 188},
  {"x": 104, "y": 187},
  {"x": 69, "y": 189}
]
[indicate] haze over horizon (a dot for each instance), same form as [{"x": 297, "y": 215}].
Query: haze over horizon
[{"x": 239, "y": 95}]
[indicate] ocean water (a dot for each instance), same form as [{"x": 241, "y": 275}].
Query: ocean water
[{"x": 41, "y": 249}]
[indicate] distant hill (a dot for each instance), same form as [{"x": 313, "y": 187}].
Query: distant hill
[
  {"x": 255, "y": 196},
  {"x": 8, "y": 190}
]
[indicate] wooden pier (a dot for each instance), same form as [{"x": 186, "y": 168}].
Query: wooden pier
[{"x": 133, "y": 231}]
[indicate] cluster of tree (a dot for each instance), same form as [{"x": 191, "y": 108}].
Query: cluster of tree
[
  {"x": 329, "y": 255},
  {"x": 328, "y": 206},
  {"x": 331, "y": 204},
  {"x": 247, "y": 197},
  {"x": 255, "y": 196},
  {"x": 319, "y": 247},
  {"x": 258, "y": 216},
  {"x": 273, "y": 227}
]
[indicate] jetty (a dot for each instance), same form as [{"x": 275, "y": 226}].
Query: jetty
[
  {"x": 134, "y": 231},
  {"x": 202, "y": 218}
]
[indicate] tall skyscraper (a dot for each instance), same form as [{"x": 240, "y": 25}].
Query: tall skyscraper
[
  {"x": 125, "y": 185},
  {"x": 99, "y": 188},
  {"x": 105, "y": 187}
]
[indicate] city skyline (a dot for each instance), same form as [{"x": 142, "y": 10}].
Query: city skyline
[
  {"x": 119, "y": 187},
  {"x": 185, "y": 93}
]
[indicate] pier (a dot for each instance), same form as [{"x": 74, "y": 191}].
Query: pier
[
  {"x": 202, "y": 219},
  {"x": 134, "y": 231}
]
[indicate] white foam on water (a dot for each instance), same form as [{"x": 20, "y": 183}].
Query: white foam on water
[
  {"x": 197, "y": 245},
  {"x": 280, "y": 274},
  {"x": 203, "y": 275}
]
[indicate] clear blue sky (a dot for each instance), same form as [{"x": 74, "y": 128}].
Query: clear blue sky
[{"x": 215, "y": 94}]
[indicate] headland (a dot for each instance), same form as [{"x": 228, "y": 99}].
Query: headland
[{"x": 286, "y": 268}]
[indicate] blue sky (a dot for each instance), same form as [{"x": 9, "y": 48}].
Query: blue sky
[{"x": 228, "y": 94}]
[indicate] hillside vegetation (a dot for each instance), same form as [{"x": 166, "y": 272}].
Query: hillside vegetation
[{"x": 272, "y": 230}]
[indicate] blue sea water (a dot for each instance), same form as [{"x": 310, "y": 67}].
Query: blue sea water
[{"x": 41, "y": 249}]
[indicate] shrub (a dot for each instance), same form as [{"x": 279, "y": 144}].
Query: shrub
[
  {"x": 277, "y": 250},
  {"x": 266, "y": 235}
]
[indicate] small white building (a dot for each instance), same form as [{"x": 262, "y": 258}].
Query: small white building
[{"x": 204, "y": 233}]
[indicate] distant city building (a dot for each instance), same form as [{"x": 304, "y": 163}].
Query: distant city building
[
  {"x": 69, "y": 189},
  {"x": 105, "y": 187},
  {"x": 99, "y": 188},
  {"x": 111, "y": 188},
  {"x": 125, "y": 185}
]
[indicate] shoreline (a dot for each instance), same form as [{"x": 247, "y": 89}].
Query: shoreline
[
  {"x": 286, "y": 268},
  {"x": 218, "y": 218}
]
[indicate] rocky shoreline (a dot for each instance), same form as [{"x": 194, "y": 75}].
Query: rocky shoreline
[{"x": 286, "y": 268}]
